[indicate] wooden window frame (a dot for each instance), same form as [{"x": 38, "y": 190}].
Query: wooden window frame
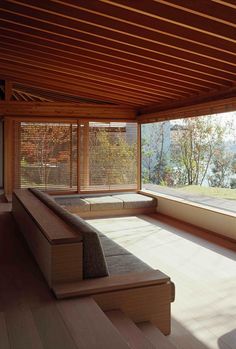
[{"x": 10, "y": 159}]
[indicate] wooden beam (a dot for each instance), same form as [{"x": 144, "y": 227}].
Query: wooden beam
[
  {"x": 74, "y": 110},
  {"x": 223, "y": 93},
  {"x": 200, "y": 109}
]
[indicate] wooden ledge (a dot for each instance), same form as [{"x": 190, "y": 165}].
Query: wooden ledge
[
  {"x": 188, "y": 202},
  {"x": 110, "y": 283},
  {"x": 54, "y": 229}
]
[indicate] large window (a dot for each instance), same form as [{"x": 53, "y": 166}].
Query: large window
[
  {"x": 108, "y": 156},
  {"x": 46, "y": 155},
  {"x": 83, "y": 156},
  {"x": 192, "y": 158}
]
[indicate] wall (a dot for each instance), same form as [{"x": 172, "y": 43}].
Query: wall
[{"x": 218, "y": 221}]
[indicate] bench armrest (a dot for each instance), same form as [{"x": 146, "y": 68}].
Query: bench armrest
[{"x": 110, "y": 283}]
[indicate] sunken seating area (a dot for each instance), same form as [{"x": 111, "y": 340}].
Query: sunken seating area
[
  {"x": 102, "y": 205},
  {"x": 77, "y": 260}
]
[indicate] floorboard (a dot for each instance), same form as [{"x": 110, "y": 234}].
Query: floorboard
[
  {"x": 203, "y": 315},
  {"x": 30, "y": 315},
  {"x": 204, "y": 312}
]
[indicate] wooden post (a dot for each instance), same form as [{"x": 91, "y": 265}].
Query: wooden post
[
  {"x": 71, "y": 158},
  {"x": 78, "y": 156},
  {"x": 8, "y": 90},
  {"x": 139, "y": 158},
  {"x": 86, "y": 155},
  {"x": 8, "y": 157}
]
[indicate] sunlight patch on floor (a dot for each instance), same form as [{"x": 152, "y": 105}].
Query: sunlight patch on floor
[{"x": 204, "y": 274}]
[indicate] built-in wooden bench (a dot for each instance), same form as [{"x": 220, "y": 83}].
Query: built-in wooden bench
[
  {"x": 69, "y": 253},
  {"x": 53, "y": 243},
  {"x": 107, "y": 205}
]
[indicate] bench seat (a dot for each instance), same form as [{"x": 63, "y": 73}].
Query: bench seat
[
  {"x": 102, "y": 205},
  {"x": 136, "y": 200},
  {"x": 77, "y": 260}
]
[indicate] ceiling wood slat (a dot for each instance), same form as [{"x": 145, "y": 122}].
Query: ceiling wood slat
[
  {"x": 203, "y": 74},
  {"x": 151, "y": 55},
  {"x": 179, "y": 17},
  {"x": 58, "y": 82},
  {"x": 44, "y": 63},
  {"x": 113, "y": 14},
  {"x": 131, "y": 37},
  {"x": 117, "y": 61},
  {"x": 93, "y": 42}
]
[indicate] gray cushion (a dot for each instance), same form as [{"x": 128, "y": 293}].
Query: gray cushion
[
  {"x": 73, "y": 203},
  {"x": 94, "y": 263},
  {"x": 125, "y": 264},
  {"x": 104, "y": 203},
  {"x": 136, "y": 200},
  {"x": 111, "y": 248}
]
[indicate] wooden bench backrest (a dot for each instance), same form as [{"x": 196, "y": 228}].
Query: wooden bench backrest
[{"x": 53, "y": 228}]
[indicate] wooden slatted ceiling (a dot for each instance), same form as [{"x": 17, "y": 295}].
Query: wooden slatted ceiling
[
  {"x": 137, "y": 53},
  {"x": 30, "y": 93}
]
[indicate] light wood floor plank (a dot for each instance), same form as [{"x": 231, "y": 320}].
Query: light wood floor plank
[
  {"x": 4, "y": 340},
  {"x": 204, "y": 312},
  {"x": 155, "y": 336},
  {"x": 134, "y": 337},
  {"x": 89, "y": 326}
]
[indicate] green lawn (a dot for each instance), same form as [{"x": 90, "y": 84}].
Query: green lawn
[{"x": 224, "y": 193}]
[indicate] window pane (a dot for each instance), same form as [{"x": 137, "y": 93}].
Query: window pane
[
  {"x": 47, "y": 155},
  {"x": 192, "y": 158},
  {"x": 108, "y": 156}
]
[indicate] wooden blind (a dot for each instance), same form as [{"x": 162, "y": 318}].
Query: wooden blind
[
  {"x": 108, "y": 156},
  {"x": 46, "y": 155},
  {"x": 51, "y": 155}
]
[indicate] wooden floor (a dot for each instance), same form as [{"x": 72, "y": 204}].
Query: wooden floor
[
  {"x": 204, "y": 312},
  {"x": 31, "y": 317}
]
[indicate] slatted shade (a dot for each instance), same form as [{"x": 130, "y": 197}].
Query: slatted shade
[
  {"x": 46, "y": 155},
  {"x": 79, "y": 156},
  {"x": 108, "y": 156}
]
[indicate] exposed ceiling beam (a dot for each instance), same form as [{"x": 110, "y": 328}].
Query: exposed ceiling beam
[{"x": 47, "y": 109}]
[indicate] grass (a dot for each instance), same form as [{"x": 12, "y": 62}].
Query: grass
[{"x": 223, "y": 193}]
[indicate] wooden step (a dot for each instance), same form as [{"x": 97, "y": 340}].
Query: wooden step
[
  {"x": 89, "y": 326},
  {"x": 129, "y": 331},
  {"x": 155, "y": 336}
]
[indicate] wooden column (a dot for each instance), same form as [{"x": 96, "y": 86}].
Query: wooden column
[
  {"x": 85, "y": 168},
  {"x": 8, "y": 157},
  {"x": 8, "y": 90},
  {"x": 139, "y": 159}
]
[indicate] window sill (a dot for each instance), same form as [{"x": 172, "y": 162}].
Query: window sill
[{"x": 219, "y": 221}]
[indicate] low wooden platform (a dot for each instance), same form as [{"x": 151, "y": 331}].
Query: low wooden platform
[
  {"x": 203, "y": 313},
  {"x": 202, "y": 266}
]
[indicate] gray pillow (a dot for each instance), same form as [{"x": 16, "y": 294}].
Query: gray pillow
[{"x": 94, "y": 263}]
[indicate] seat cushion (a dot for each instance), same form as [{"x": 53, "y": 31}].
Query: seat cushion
[
  {"x": 73, "y": 203},
  {"x": 123, "y": 264},
  {"x": 136, "y": 200},
  {"x": 101, "y": 203},
  {"x": 111, "y": 248}
]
